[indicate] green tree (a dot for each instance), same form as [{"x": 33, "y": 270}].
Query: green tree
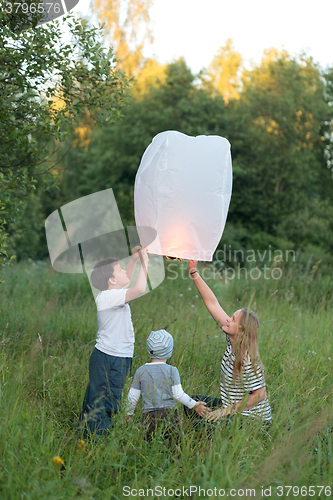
[
  {"x": 277, "y": 141},
  {"x": 152, "y": 74},
  {"x": 46, "y": 85},
  {"x": 328, "y": 128}
]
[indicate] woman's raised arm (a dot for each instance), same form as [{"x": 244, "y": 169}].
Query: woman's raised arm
[{"x": 207, "y": 295}]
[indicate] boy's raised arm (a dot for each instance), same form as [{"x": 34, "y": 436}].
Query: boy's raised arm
[
  {"x": 207, "y": 295},
  {"x": 139, "y": 287},
  {"x": 132, "y": 263}
]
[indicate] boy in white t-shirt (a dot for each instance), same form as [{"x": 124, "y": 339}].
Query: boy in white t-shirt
[{"x": 112, "y": 356}]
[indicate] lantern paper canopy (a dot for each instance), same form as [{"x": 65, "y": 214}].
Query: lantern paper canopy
[{"x": 183, "y": 190}]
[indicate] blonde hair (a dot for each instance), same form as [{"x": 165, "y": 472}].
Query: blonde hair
[{"x": 247, "y": 342}]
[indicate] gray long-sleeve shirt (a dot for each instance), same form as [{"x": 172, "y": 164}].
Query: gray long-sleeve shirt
[{"x": 159, "y": 385}]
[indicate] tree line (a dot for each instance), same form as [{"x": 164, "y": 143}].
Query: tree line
[{"x": 276, "y": 115}]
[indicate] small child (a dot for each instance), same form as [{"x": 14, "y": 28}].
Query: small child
[{"x": 160, "y": 386}]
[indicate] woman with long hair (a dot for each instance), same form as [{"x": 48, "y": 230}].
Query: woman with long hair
[{"x": 243, "y": 387}]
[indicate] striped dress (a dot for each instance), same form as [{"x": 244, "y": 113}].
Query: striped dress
[{"x": 248, "y": 382}]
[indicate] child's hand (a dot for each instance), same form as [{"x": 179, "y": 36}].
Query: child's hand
[
  {"x": 192, "y": 266},
  {"x": 144, "y": 257},
  {"x": 216, "y": 415},
  {"x": 128, "y": 419},
  {"x": 135, "y": 252},
  {"x": 200, "y": 408}
]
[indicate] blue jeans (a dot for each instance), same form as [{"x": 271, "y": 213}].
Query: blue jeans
[{"x": 103, "y": 395}]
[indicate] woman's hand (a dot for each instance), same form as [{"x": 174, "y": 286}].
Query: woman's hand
[
  {"x": 192, "y": 266},
  {"x": 215, "y": 415},
  {"x": 200, "y": 408}
]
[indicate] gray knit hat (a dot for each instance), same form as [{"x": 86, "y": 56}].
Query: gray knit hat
[{"x": 160, "y": 344}]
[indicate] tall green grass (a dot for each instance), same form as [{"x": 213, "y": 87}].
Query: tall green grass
[{"x": 47, "y": 333}]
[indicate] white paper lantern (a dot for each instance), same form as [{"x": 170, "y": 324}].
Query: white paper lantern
[{"x": 183, "y": 190}]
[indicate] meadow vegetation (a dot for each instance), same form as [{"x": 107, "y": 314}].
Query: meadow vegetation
[
  {"x": 278, "y": 119},
  {"x": 47, "y": 332}
]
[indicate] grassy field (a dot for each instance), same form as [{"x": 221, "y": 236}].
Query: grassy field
[{"x": 47, "y": 333}]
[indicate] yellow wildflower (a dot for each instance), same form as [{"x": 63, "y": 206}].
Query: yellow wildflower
[
  {"x": 58, "y": 461},
  {"x": 81, "y": 445}
]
